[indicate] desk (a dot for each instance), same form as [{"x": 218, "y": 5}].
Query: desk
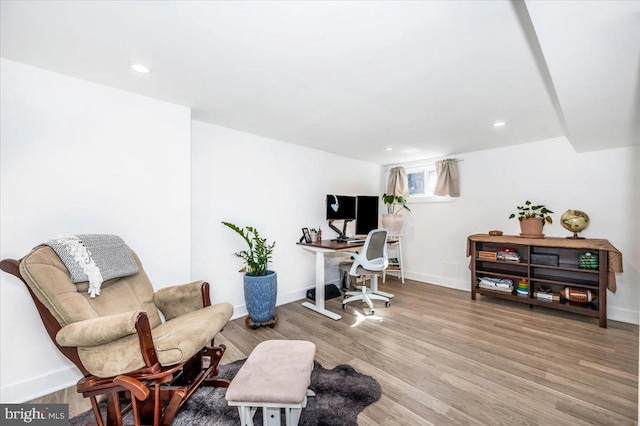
[{"x": 328, "y": 246}]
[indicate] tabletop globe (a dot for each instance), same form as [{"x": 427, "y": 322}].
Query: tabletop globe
[{"x": 574, "y": 221}]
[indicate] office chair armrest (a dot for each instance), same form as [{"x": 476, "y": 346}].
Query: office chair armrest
[
  {"x": 354, "y": 255},
  {"x": 181, "y": 299},
  {"x": 98, "y": 331}
]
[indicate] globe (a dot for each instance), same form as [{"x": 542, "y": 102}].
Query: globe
[{"x": 574, "y": 221}]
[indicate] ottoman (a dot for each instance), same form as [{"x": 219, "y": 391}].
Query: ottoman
[{"x": 276, "y": 376}]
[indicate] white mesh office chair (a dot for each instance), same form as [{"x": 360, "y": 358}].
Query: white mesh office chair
[{"x": 371, "y": 262}]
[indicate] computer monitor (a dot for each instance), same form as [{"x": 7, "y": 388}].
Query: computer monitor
[
  {"x": 366, "y": 214},
  {"x": 341, "y": 207}
]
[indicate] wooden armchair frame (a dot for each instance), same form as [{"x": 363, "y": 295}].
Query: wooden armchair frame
[{"x": 156, "y": 393}]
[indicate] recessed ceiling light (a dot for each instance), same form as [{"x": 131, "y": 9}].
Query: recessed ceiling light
[
  {"x": 389, "y": 149},
  {"x": 142, "y": 69},
  {"x": 499, "y": 124}
]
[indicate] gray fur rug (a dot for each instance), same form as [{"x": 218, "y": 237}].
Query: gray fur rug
[{"x": 341, "y": 393}]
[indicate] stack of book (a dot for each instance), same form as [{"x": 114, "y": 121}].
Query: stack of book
[
  {"x": 508, "y": 254},
  {"x": 498, "y": 284}
]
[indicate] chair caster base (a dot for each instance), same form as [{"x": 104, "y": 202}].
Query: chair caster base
[
  {"x": 387, "y": 304},
  {"x": 256, "y": 325}
]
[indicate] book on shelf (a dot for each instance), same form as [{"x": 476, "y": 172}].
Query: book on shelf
[
  {"x": 550, "y": 297},
  {"x": 491, "y": 255}
]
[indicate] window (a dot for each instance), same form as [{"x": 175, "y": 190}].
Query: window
[{"x": 422, "y": 181}]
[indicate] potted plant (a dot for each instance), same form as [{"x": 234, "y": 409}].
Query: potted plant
[
  {"x": 260, "y": 284},
  {"x": 392, "y": 221},
  {"x": 532, "y": 219}
]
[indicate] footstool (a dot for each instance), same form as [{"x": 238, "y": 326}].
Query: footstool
[{"x": 276, "y": 375}]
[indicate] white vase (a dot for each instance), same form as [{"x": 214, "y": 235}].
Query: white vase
[{"x": 392, "y": 223}]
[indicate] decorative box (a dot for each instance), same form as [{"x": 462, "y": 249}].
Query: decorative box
[
  {"x": 588, "y": 261},
  {"x": 544, "y": 259}
]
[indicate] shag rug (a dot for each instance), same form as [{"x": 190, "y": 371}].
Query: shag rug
[{"x": 341, "y": 393}]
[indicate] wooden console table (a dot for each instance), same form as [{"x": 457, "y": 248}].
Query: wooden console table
[{"x": 566, "y": 273}]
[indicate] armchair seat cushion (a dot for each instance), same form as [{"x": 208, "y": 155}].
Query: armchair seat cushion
[
  {"x": 181, "y": 338},
  {"x": 175, "y": 342}
]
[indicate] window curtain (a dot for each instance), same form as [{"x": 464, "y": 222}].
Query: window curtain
[
  {"x": 448, "y": 182},
  {"x": 398, "y": 184}
]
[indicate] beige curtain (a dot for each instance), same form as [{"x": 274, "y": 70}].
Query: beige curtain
[
  {"x": 448, "y": 182},
  {"x": 398, "y": 184}
]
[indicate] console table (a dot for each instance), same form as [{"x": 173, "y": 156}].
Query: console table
[{"x": 564, "y": 272}]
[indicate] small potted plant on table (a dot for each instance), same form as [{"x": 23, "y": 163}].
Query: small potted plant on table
[
  {"x": 532, "y": 219},
  {"x": 260, "y": 284}
]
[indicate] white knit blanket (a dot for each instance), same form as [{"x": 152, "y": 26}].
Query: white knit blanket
[{"x": 94, "y": 257}]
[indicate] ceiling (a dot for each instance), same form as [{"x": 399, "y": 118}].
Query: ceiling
[{"x": 427, "y": 79}]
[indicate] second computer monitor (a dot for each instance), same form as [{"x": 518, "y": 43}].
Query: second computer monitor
[{"x": 366, "y": 214}]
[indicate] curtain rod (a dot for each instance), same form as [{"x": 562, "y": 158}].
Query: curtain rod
[{"x": 389, "y": 167}]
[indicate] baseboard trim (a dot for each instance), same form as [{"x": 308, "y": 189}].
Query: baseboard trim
[
  {"x": 37, "y": 387},
  {"x": 241, "y": 310},
  {"x": 622, "y": 315},
  {"x": 439, "y": 281}
]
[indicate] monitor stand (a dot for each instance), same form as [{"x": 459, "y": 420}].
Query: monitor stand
[{"x": 342, "y": 235}]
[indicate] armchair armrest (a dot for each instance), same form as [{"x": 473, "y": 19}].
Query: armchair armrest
[
  {"x": 98, "y": 331},
  {"x": 181, "y": 299}
]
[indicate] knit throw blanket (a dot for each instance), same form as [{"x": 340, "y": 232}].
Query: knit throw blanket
[{"x": 94, "y": 257}]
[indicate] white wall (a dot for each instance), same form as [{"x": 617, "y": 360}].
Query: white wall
[
  {"x": 274, "y": 186},
  {"x": 493, "y": 182},
  {"x": 77, "y": 157}
]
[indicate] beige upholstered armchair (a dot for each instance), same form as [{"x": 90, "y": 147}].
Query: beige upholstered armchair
[{"x": 120, "y": 343}]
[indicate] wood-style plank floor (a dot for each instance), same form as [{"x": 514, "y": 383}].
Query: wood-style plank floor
[{"x": 444, "y": 359}]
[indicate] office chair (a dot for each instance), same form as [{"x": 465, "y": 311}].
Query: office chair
[{"x": 371, "y": 262}]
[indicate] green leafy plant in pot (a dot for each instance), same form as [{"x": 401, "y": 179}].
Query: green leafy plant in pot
[
  {"x": 392, "y": 221},
  {"x": 260, "y": 284},
  {"x": 532, "y": 219}
]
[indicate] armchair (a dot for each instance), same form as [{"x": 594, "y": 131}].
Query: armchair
[{"x": 119, "y": 342}]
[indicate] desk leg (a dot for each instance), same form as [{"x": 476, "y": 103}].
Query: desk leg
[{"x": 319, "y": 305}]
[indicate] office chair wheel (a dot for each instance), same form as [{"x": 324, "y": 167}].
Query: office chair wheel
[
  {"x": 344, "y": 306},
  {"x": 372, "y": 312},
  {"x": 387, "y": 304}
]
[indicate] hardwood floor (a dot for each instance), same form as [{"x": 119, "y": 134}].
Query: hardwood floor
[{"x": 443, "y": 359}]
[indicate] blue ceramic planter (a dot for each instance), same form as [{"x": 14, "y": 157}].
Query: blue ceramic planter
[{"x": 260, "y": 296}]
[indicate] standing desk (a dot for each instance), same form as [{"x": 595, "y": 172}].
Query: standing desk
[{"x": 329, "y": 246}]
